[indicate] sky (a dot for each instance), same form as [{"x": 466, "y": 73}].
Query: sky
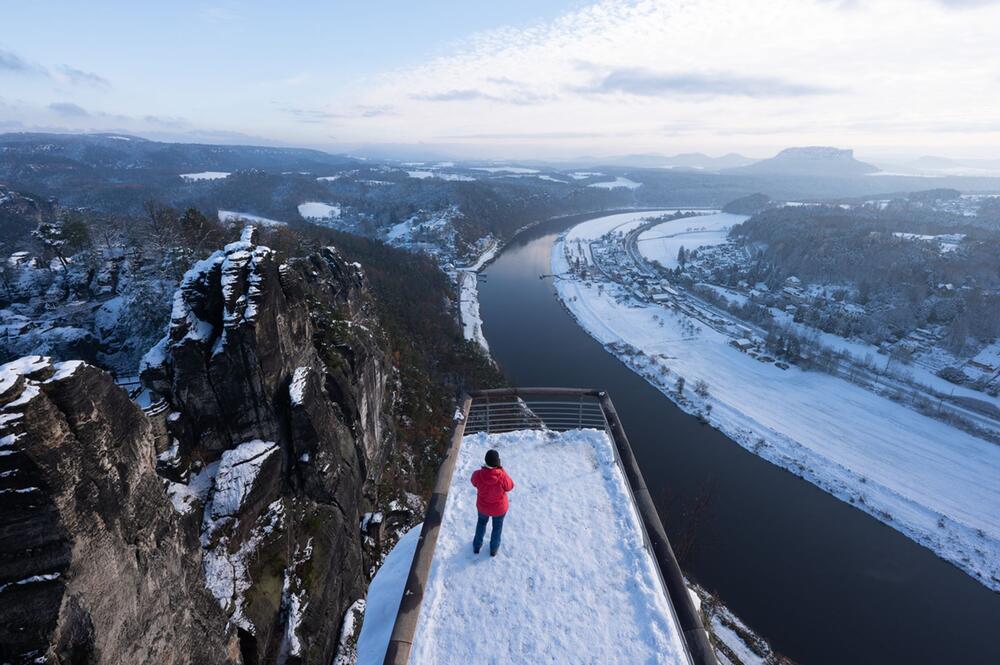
[{"x": 515, "y": 79}]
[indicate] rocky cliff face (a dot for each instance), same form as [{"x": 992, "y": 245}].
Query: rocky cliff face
[
  {"x": 221, "y": 524},
  {"x": 95, "y": 564},
  {"x": 273, "y": 371}
]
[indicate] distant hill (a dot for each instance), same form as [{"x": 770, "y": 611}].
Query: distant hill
[
  {"x": 692, "y": 161},
  {"x": 117, "y": 172},
  {"x": 126, "y": 153},
  {"x": 697, "y": 160},
  {"x": 748, "y": 205},
  {"x": 810, "y": 161}
]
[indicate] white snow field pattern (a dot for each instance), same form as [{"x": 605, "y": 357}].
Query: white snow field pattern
[
  {"x": 617, "y": 183},
  {"x": 572, "y": 582},
  {"x": 933, "y": 482},
  {"x": 662, "y": 242},
  {"x": 234, "y": 217},
  {"x": 318, "y": 210},
  {"x": 205, "y": 175}
]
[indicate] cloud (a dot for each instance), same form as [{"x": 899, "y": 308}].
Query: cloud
[
  {"x": 169, "y": 122},
  {"x": 318, "y": 116},
  {"x": 455, "y": 96},
  {"x": 375, "y": 111},
  {"x": 80, "y": 77},
  {"x": 309, "y": 116},
  {"x": 69, "y": 109},
  {"x": 967, "y": 4},
  {"x": 12, "y": 62},
  {"x": 518, "y": 98},
  {"x": 225, "y": 14},
  {"x": 15, "y": 64},
  {"x": 526, "y": 136},
  {"x": 645, "y": 83}
]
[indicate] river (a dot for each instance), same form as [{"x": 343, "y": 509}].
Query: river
[{"x": 823, "y": 582}]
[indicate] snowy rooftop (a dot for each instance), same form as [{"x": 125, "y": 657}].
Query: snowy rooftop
[{"x": 573, "y": 582}]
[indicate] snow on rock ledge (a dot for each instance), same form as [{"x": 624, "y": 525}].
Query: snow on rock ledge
[{"x": 235, "y": 481}]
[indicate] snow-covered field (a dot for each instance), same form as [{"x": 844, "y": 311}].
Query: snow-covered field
[
  {"x": 938, "y": 485},
  {"x": 616, "y": 183},
  {"x": 205, "y": 175},
  {"x": 455, "y": 177},
  {"x": 572, "y": 582},
  {"x": 504, "y": 169},
  {"x": 317, "y": 210},
  {"x": 228, "y": 216},
  {"x": 382, "y": 603},
  {"x": 662, "y": 242},
  {"x": 945, "y": 243}
]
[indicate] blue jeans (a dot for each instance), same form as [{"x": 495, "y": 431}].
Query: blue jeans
[{"x": 497, "y": 530}]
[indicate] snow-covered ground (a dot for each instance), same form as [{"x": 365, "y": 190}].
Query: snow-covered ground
[
  {"x": 945, "y": 243},
  {"x": 205, "y": 175},
  {"x": 231, "y": 216},
  {"x": 382, "y": 603},
  {"x": 504, "y": 169},
  {"x": 572, "y": 583},
  {"x": 423, "y": 175},
  {"x": 933, "y": 482},
  {"x": 427, "y": 226},
  {"x": 317, "y": 210},
  {"x": 662, "y": 242},
  {"x": 468, "y": 296},
  {"x": 616, "y": 183}
]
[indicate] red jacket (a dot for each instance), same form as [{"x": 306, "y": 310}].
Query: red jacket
[{"x": 492, "y": 485}]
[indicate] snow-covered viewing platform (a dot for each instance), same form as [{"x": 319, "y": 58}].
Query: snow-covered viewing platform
[{"x": 584, "y": 575}]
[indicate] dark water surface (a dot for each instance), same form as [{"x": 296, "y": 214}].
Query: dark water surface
[{"x": 824, "y": 582}]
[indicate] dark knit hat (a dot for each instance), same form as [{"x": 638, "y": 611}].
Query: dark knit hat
[{"x": 492, "y": 459}]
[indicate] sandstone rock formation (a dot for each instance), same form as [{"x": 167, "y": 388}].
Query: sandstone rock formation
[
  {"x": 221, "y": 524},
  {"x": 96, "y": 564}
]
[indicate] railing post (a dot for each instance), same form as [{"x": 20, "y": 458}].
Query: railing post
[{"x": 487, "y": 414}]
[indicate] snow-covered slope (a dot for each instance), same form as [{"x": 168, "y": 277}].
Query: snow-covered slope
[{"x": 572, "y": 582}]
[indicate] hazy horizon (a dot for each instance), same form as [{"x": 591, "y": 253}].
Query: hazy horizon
[{"x": 891, "y": 79}]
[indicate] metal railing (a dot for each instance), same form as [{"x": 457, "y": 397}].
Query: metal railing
[
  {"x": 558, "y": 409},
  {"x": 494, "y": 414}
]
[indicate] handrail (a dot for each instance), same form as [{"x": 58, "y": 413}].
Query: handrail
[
  {"x": 401, "y": 639},
  {"x": 695, "y": 635},
  {"x": 509, "y": 400}
]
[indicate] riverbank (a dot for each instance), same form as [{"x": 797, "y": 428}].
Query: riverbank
[
  {"x": 930, "y": 481},
  {"x": 467, "y": 281}
]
